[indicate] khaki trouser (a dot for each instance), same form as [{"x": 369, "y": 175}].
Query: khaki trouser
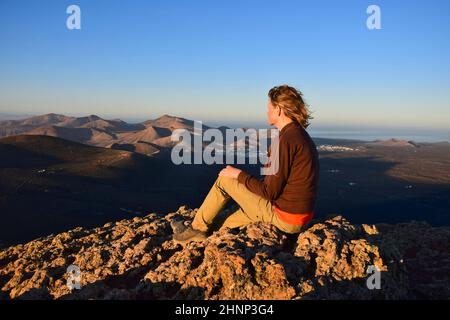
[{"x": 252, "y": 207}]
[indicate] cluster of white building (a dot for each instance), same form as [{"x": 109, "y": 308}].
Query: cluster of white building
[{"x": 332, "y": 148}]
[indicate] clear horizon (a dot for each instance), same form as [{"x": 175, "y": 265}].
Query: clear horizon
[
  {"x": 209, "y": 61},
  {"x": 317, "y": 131}
]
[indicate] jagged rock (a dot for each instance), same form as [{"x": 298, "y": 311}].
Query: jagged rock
[
  {"x": 231, "y": 264},
  {"x": 136, "y": 259}
]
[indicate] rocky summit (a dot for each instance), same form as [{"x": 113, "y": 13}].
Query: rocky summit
[{"x": 137, "y": 259}]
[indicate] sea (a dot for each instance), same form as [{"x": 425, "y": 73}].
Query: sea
[{"x": 431, "y": 137}]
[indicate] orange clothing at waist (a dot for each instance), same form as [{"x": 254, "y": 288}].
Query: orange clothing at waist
[{"x": 296, "y": 219}]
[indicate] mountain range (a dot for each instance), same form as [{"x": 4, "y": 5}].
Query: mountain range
[{"x": 149, "y": 137}]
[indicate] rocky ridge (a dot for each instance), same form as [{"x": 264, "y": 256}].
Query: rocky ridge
[{"x": 136, "y": 259}]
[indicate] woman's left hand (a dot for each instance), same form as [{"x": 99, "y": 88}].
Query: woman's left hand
[{"x": 230, "y": 171}]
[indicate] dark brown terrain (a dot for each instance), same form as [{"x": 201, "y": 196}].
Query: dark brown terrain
[
  {"x": 381, "y": 182},
  {"x": 49, "y": 184}
]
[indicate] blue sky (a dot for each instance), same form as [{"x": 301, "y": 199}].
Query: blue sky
[{"x": 216, "y": 60}]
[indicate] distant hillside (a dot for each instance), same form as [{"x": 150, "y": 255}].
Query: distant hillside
[
  {"x": 393, "y": 143},
  {"x": 91, "y": 136}
]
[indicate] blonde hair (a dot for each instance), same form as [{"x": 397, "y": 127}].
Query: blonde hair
[{"x": 291, "y": 101}]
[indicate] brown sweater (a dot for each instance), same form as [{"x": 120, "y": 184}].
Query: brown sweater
[{"x": 294, "y": 187}]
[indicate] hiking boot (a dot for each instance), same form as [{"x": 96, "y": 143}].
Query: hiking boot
[
  {"x": 178, "y": 226},
  {"x": 188, "y": 235}
]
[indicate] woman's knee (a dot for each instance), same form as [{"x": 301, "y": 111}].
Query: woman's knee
[{"x": 224, "y": 181}]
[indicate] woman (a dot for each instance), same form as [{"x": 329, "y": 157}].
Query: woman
[{"x": 285, "y": 199}]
